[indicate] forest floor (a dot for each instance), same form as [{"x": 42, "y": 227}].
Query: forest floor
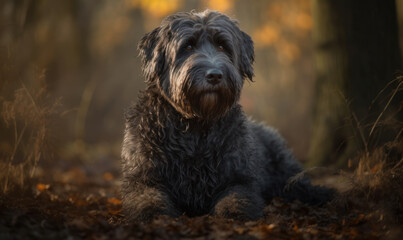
[{"x": 76, "y": 202}]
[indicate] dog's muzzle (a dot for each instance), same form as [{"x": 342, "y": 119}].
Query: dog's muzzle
[{"x": 214, "y": 76}]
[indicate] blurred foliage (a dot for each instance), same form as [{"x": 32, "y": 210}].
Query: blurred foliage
[
  {"x": 284, "y": 28},
  {"x": 157, "y": 8},
  {"x": 219, "y": 5}
]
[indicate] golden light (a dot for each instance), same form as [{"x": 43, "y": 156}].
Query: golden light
[
  {"x": 157, "y": 8},
  {"x": 266, "y": 36},
  {"x": 220, "y": 5}
]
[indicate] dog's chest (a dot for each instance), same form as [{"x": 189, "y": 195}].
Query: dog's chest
[{"x": 192, "y": 172}]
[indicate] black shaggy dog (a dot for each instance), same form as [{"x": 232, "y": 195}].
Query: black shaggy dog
[{"x": 188, "y": 147}]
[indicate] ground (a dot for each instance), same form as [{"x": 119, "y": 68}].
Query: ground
[{"x": 75, "y": 202}]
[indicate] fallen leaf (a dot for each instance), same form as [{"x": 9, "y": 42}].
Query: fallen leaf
[
  {"x": 354, "y": 232},
  {"x": 78, "y": 201},
  {"x": 114, "y": 201},
  {"x": 42, "y": 187},
  {"x": 358, "y": 219},
  {"x": 375, "y": 168},
  {"x": 114, "y": 211},
  {"x": 108, "y": 176},
  {"x": 240, "y": 230}
]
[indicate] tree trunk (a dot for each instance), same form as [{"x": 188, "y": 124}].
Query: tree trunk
[{"x": 356, "y": 55}]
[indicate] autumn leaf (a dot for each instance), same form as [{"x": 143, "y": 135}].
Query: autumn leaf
[
  {"x": 42, "y": 187},
  {"x": 358, "y": 219},
  {"x": 114, "y": 212},
  {"x": 114, "y": 201},
  {"x": 375, "y": 168},
  {"x": 78, "y": 201},
  {"x": 240, "y": 230},
  {"x": 353, "y": 232},
  {"x": 108, "y": 176},
  {"x": 295, "y": 227}
]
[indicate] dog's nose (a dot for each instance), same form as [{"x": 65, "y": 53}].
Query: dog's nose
[{"x": 214, "y": 76}]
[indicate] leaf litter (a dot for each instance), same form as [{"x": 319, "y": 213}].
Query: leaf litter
[{"x": 74, "y": 204}]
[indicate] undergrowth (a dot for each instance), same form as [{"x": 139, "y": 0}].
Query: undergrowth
[
  {"x": 376, "y": 184},
  {"x": 26, "y": 121}
]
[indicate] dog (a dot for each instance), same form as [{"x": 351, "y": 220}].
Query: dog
[{"x": 188, "y": 147}]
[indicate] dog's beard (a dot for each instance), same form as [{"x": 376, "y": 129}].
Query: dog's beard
[
  {"x": 194, "y": 97},
  {"x": 211, "y": 104}
]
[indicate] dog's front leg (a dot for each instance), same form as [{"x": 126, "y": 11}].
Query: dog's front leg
[
  {"x": 240, "y": 203},
  {"x": 143, "y": 203}
]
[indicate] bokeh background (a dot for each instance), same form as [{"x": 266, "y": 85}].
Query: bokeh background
[{"x": 75, "y": 67}]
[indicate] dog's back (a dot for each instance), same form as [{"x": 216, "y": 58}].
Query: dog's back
[{"x": 280, "y": 166}]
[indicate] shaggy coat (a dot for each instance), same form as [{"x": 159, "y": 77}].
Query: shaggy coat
[{"x": 188, "y": 147}]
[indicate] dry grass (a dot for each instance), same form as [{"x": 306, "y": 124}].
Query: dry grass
[
  {"x": 377, "y": 184},
  {"x": 27, "y": 119},
  {"x": 378, "y": 178}
]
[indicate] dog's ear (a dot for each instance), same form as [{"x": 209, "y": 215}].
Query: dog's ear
[
  {"x": 247, "y": 56},
  {"x": 152, "y": 54}
]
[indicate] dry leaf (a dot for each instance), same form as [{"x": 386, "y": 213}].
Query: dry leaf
[
  {"x": 108, "y": 176},
  {"x": 114, "y": 201},
  {"x": 42, "y": 187}
]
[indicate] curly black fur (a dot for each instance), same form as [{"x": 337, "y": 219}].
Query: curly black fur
[{"x": 188, "y": 147}]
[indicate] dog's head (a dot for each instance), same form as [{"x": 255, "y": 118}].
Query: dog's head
[{"x": 198, "y": 61}]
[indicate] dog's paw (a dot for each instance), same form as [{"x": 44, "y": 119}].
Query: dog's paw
[
  {"x": 146, "y": 215},
  {"x": 147, "y": 206},
  {"x": 235, "y": 207}
]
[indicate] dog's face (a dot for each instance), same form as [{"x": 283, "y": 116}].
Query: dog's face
[{"x": 198, "y": 61}]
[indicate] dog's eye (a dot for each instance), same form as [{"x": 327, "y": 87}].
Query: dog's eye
[
  {"x": 220, "y": 48},
  {"x": 189, "y": 47}
]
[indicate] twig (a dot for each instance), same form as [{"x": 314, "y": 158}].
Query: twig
[
  {"x": 383, "y": 89},
  {"x": 360, "y": 131},
  {"x": 398, "y": 135},
  {"x": 384, "y": 109},
  {"x": 17, "y": 139},
  {"x": 357, "y": 122},
  {"x": 84, "y": 106},
  {"x": 30, "y": 97}
]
